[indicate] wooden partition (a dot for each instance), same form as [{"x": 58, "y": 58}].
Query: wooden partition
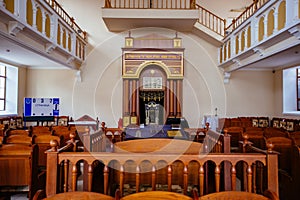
[
  {"x": 19, "y": 168},
  {"x": 192, "y": 169}
]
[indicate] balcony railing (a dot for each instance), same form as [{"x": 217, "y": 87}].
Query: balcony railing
[
  {"x": 248, "y": 12},
  {"x": 211, "y": 21},
  {"x": 66, "y": 17},
  {"x": 150, "y": 4}
]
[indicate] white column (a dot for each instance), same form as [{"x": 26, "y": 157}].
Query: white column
[
  {"x": 22, "y": 6},
  {"x": 53, "y": 28},
  {"x": 34, "y": 11},
  {"x": 254, "y": 31},
  {"x": 2, "y": 4},
  {"x": 61, "y": 36},
  {"x": 246, "y": 39},
  {"x": 43, "y": 22},
  {"x": 291, "y": 11},
  {"x": 265, "y": 26},
  {"x": 240, "y": 41},
  {"x": 276, "y": 20},
  {"x": 73, "y": 43},
  {"x": 232, "y": 45}
]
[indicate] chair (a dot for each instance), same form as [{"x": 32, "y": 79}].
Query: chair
[
  {"x": 237, "y": 195},
  {"x": 151, "y": 195}
]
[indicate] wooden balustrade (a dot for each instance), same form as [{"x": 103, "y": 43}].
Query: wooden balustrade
[
  {"x": 211, "y": 21},
  {"x": 152, "y": 4},
  {"x": 66, "y": 17},
  {"x": 118, "y": 162},
  {"x": 247, "y": 13}
]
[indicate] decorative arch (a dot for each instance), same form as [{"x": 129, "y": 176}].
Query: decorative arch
[
  {"x": 58, "y": 34},
  {"x": 261, "y": 29},
  {"x": 157, "y": 63},
  {"x": 243, "y": 41},
  {"x": 39, "y": 20},
  {"x": 29, "y": 12},
  {"x": 10, "y": 5},
  {"x": 270, "y": 23},
  {"x": 237, "y": 44},
  {"x": 48, "y": 26},
  {"x": 249, "y": 37},
  {"x": 281, "y": 15}
]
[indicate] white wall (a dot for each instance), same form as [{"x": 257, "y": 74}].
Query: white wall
[
  {"x": 99, "y": 94},
  {"x": 52, "y": 83}
]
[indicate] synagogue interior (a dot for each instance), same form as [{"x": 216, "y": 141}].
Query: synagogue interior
[{"x": 149, "y": 99}]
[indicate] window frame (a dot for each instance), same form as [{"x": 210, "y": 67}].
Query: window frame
[{"x": 5, "y": 84}]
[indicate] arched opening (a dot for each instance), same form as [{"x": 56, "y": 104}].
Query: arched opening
[
  {"x": 39, "y": 20},
  {"x": 237, "y": 44},
  {"x": 261, "y": 31},
  {"x": 152, "y": 95},
  {"x": 48, "y": 28},
  {"x": 281, "y": 15},
  {"x": 29, "y": 13},
  {"x": 10, "y": 5},
  {"x": 58, "y": 34},
  {"x": 243, "y": 41},
  {"x": 270, "y": 23},
  {"x": 249, "y": 36}
]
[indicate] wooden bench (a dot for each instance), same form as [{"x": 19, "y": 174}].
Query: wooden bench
[
  {"x": 18, "y": 168},
  {"x": 238, "y": 195}
]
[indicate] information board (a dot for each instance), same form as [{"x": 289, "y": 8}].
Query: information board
[{"x": 41, "y": 107}]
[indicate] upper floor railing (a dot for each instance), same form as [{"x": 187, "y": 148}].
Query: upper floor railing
[
  {"x": 248, "y": 12},
  {"x": 66, "y": 17},
  {"x": 206, "y": 17},
  {"x": 211, "y": 21},
  {"x": 151, "y": 4}
]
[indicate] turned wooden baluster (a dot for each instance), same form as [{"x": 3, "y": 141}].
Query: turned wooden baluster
[
  {"x": 217, "y": 177},
  {"x": 105, "y": 174},
  {"x": 90, "y": 177},
  {"x": 169, "y": 178},
  {"x": 153, "y": 180},
  {"x": 185, "y": 179},
  {"x": 233, "y": 178},
  {"x": 254, "y": 166},
  {"x": 121, "y": 180},
  {"x": 137, "y": 178},
  {"x": 249, "y": 176},
  {"x": 74, "y": 177},
  {"x": 66, "y": 172},
  {"x": 201, "y": 180}
]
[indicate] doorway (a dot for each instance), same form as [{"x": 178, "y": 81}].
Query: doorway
[{"x": 151, "y": 107}]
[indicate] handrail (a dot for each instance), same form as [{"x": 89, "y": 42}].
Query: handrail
[
  {"x": 250, "y": 10},
  {"x": 211, "y": 21},
  {"x": 150, "y": 4},
  {"x": 66, "y": 17}
]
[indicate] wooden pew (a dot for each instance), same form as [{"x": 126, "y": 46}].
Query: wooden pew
[
  {"x": 18, "y": 168},
  {"x": 238, "y": 195}
]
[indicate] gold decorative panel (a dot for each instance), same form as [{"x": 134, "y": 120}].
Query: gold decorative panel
[{"x": 135, "y": 62}]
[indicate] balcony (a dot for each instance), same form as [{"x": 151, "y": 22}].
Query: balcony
[
  {"x": 43, "y": 31},
  {"x": 268, "y": 38},
  {"x": 122, "y": 15}
]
